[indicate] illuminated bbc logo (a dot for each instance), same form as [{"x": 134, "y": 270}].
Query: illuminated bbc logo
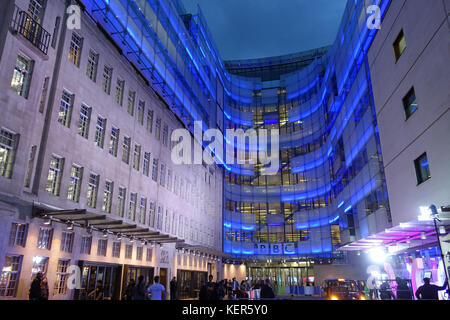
[{"x": 276, "y": 248}]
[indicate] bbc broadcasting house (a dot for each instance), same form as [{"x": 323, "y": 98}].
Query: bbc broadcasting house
[{"x": 86, "y": 176}]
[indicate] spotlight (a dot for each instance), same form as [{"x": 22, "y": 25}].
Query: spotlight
[
  {"x": 119, "y": 236},
  {"x": 377, "y": 255},
  {"x": 105, "y": 234},
  {"x": 143, "y": 242},
  {"x": 69, "y": 225},
  {"x": 48, "y": 221},
  {"x": 89, "y": 229},
  {"x": 442, "y": 230},
  {"x": 423, "y": 236}
]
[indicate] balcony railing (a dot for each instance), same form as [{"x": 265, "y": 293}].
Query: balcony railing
[{"x": 24, "y": 24}]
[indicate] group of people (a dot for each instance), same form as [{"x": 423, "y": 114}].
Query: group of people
[
  {"x": 39, "y": 287},
  {"x": 140, "y": 290},
  {"x": 232, "y": 290},
  {"x": 427, "y": 291}
]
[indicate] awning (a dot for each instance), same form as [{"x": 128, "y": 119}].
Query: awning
[
  {"x": 403, "y": 237},
  {"x": 105, "y": 223}
]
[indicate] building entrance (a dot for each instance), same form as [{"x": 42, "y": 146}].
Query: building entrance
[{"x": 282, "y": 276}]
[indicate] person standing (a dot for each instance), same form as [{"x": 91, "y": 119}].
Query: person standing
[
  {"x": 267, "y": 291},
  {"x": 97, "y": 293},
  {"x": 35, "y": 292},
  {"x": 234, "y": 287},
  {"x": 44, "y": 288},
  {"x": 139, "y": 289},
  {"x": 129, "y": 290},
  {"x": 173, "y": 289},
  {"x": 211, "y": 289},
  {"x": 156, "y": 290},
  {"x": 429, "y": 291},
  {"x": 403, "y": 292}
]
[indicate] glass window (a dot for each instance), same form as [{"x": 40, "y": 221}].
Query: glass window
[
  {"x": 107, "y": 196},
  {"x": 76, "y": 175},
  {"x": 62, "y": 275},
  {"x": 158, "y": 129},
  {"x": 128, "y": 251},
  {"x": 162, "y": 176},
  {"x": 116, "y": 249},
  {"x": 126, "y": 150},
  {"x": 139, "y": 251},
  {"x": 141, "y": 110},
  {"x": 67, "y": 241},
  {"x": 45, "y": 238},
  {"x": 146, "y": 167},
  {"x": 86, "y": 243},
  {"x": 100, "y": 132},
  {"x": 155, "y": 170},
  {"x": 422, "y": 168},
  {"x": 92, "y": 65},
  {"x": 9, "y": 280},
  {"x": 142, "y": 210},
  {"x": 21, "y": 79},
  {"x": 130, "y": 105},
  {"x": 114, "y": 141},
  {"x": 165, "y": 135},
  {"x": 85, "y": 119},
  {"x": 149, "y": 120},
  {"x": 18, "y": 234},
  {"x": 151, "y": 214},
  {"x": 92, "y": 191},
  {"x": 132, "y": 207},
  {"x": 8, "y": 147},
  {"x": 101, "y": 247},
  {"x": 54, "y": 175},
  {"x": 65, "y": 108},
  {"x": 120, "y": 84},
  {"x": 410, "y": 103},
  {"x": 107, "y": 78},
  {"x": 121, "y": 201},
  {"x": 76, "y": 43},
  {"x": 149, "y": 254},
  {"x": 137, "y": 157},
  {"x": 399, "y": 45}
]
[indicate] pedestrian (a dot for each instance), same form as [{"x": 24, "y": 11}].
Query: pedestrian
[
  {"x": 386, "y": 292},
  {"x": 156, "y": 291},
  {"x": 35, "y": 292},
  {"x": 403, "y": 292},
  {"x": 139, "y": 289},
  {"x": 44, "y": 288},
  {"x": 129, "y": 290},
  {"x": 429, "y": 291},
  {"x": 267, "y": 291},
  {"x": 173, "y": 289},
  {"x": 221, "y": 290},
  {"x": 234, "y": 287},
  {"x": 202, "y": 293},
  {"x": 211, "y": 289},
  {"x": 97, "y": 293}
]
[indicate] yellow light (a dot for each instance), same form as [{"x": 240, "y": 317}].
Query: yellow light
[
  {"x": 334, "y": 298},
  {"x": 341, "y": 280},
  {"x": 362, "y": 298}
]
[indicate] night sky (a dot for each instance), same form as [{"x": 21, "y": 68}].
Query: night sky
[{"x": 245, "y": 29}]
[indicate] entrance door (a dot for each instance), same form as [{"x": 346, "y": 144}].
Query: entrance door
[{"x": 163, "y": 277}]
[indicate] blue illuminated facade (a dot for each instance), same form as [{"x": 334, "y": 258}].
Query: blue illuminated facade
[{"x": 330, "y": 185}]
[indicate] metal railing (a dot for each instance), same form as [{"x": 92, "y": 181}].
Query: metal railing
[{"x": 24, "y": 24}]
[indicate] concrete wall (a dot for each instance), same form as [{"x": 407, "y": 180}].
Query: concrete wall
[{"x": 231, "y": 271}]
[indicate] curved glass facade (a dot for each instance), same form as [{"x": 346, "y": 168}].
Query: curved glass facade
[{"x": 330, "y": 180}]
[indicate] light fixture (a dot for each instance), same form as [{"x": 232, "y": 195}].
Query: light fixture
[
  {"x": 160, "y": 245},
  {"x": 69, "y": 225},
  {"x": 89, "y": 229},
  {"x": 105, "y": 234},
  {"x": 377, "y": 254},
  {"x": 48, "y": 221},
  {"x": 442, "y": 230},
  {"x": 423, "y": 236},
  {"x": 358, "y": 253},
  {"x": 143, "y": 242},
  {"x": 119, "y": 236}
]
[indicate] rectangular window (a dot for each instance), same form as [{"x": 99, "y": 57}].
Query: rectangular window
[
  {"x": 130, "y": 104},
  {"x": 67, "y": 241},
  {"x": 151, "y": 214},
  {"x": 92, "y": 65},
  {"x": 146, "y": 167},
  {"x": 85, "y": 119},
  {"x": 120, "y": 85},
  {"x": 159, "y": 218},
  {"x": 142, "y": 210},
  {"x": 155, "y": 170},
  {"x": 107, "y": 78},
  {"x": 149, "y": 120},
  {"x": 62, "y": 275},
  {"x": 410, "y": 103},
  {"x": 54, "y": 175},
  {"x": 76, "y": 44},
  {"x": 169, "y": 180},
  {"x": 114, "y": 141},
  {"x": 162, "y": 176},
  {"x": 137, "y": 157},
  {"x": 132, "y": 207},
  {"x": 149, "y": 254},
  {"x": 107, "y": 196},
  {"x": 21, "y": 79},
  {"x": 165, "y": 135},
  {"x": 128, "y": 251},
  {"x": 92, "y": 191},
  {"x": 76, "y": 175},
  {"x": 141, "y": 110},
  {"x": 100, "y": 132},
  {"x": 158, "y": 129},
  {"x": 422, "y": 168},
  {"x": 9, "y": 280},
  {"x": 399, "y": 45},
  {"x": 101, "y": 247},
  {"x": 167, "y": 221},
  {"x": 126, "y": 150},
  {"x": 44, "y": 94},
  {"x": 40, "y": 264},
  {"x": 56, "y": 31},
  {"x": 36, "y": 8},
  {"x": 45, "y": 238},
  {"x": 116, "y": 249},
  {"x": 18, "y": 234},
  {"x": 139, "y": 251},
  {"x": 86, "y": 243},
  {"x": 8, "y": 148},
  {"x": 121, "y": 197},
  {"x": 65, "y": 108}
]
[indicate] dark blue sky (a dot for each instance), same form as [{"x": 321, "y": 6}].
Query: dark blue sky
[{"x": 245, "y": 29}]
